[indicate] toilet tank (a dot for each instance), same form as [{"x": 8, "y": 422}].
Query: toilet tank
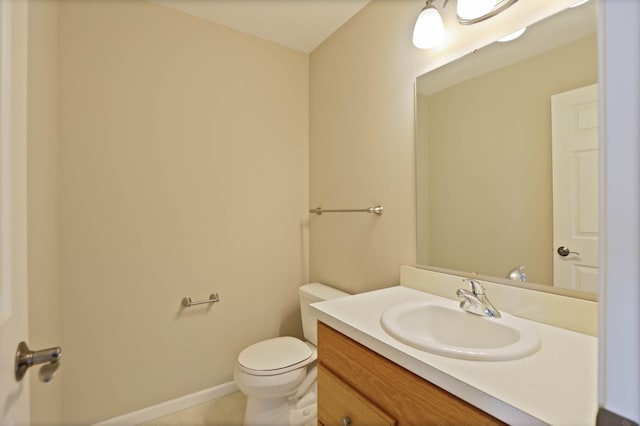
[{"x": 312, "y": 293}]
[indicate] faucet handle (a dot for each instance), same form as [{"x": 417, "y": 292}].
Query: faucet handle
[{"x": 476, "y": 287}]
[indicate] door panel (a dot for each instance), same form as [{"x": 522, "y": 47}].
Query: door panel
[{"x": 575, "y": 188}]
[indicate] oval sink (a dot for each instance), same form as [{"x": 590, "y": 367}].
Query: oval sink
[{"x": 443, "y": 328}]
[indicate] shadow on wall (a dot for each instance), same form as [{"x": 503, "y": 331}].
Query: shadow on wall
[{"x": 291, "y": 324}]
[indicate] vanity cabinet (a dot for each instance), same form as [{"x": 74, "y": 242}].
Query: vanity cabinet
[{"x": 359, "y": 387}]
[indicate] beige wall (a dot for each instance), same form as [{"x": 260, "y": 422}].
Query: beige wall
[
  {"x": 42, "y": 199},
  {"x": 422, "y": 179},
  {"x": 183, "y": 170},
  {"x": 362, "y": 135},
  {"x": 361, "y": 149},
  {"x": 489, "y": 164}
]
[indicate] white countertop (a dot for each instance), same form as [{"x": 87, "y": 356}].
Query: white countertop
[{"x": 557, "y": 385}]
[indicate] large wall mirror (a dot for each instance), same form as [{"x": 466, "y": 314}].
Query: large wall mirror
[{"x": 507, "y": 159}]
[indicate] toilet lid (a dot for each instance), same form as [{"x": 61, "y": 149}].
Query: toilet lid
[{"x": 274, "y": 354}]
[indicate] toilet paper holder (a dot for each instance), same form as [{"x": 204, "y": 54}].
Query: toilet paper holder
[{"x": 187, "y": 302}]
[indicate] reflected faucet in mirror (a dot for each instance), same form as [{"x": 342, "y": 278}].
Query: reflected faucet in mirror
[{"x": 517, "y": 274}]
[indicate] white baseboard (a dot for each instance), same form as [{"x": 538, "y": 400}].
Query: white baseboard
[{"x": 170, "y": 407}]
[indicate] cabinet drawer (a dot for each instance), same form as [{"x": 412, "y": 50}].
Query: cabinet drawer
[{"x": 338, "y": 401}]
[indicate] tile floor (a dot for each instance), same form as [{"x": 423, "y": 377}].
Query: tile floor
[{"x": 225, "y": 411}]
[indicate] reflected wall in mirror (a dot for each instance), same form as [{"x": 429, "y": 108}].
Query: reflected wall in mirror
[{"x": 488, "y": 144}]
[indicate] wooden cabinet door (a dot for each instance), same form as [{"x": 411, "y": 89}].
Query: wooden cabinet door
[
  {"x": 339, "y": 404},
  {"x": 409, "y": 399}
]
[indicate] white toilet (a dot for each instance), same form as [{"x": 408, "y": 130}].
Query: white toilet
[{"x": 278, "y": 375}]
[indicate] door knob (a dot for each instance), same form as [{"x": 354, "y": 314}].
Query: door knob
[
  {"x": 564, "y": 251},
  {"x": 26, "y": 358}
]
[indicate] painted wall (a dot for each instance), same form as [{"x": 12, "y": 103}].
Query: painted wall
[
  {"x": 42, "y": 200},
  {"x": 362, "y": 150},
  {"x": 362, "y": 134},
  {"x": 183, "y": 170},
  {"x": 498, "y": 160}
]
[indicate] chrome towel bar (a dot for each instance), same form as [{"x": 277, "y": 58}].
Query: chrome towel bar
[
  {"x": 376, "y": 210},
  {"x": 187, "y": 302}
]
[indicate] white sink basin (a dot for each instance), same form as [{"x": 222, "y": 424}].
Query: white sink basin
[{"x": 443, "y": 328}]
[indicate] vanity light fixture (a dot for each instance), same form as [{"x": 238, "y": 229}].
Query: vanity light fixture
[
  {"x": 429, "y": 29},
  {"x": 473, "y": 11},
  {"x": 514, "y": 35}
]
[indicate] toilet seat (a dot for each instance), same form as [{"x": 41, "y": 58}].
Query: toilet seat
[{"x": 275, "y": 356}]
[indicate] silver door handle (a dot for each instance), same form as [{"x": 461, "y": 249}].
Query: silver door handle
[
  {"x": 564, "y": 251},
  {"x": 25, "y": 358}
]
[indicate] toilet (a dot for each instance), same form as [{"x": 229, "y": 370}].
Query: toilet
[{"x": 278, "y": 375}]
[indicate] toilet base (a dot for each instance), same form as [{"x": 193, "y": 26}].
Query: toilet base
[
  {"x": 267, "y": 411},
  {"x": 305, "y": 410},
  {"x": 281, "y": 411}
]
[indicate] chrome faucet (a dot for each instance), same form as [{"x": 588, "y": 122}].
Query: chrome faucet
[{"x": 475, "y": 301}]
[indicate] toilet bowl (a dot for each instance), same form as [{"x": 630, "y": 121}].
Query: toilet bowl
[{"x": 278, "y": 375}]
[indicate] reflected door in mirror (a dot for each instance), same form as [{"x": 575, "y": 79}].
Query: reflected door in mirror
[{"x": 575, "y": 188}]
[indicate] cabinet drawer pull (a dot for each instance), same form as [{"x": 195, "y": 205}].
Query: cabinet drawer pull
[{"x": 346, "y": 421}]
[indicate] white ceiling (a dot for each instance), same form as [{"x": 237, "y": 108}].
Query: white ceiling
[{"x": 298, "y": 24}]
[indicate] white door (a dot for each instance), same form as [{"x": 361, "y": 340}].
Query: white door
[
  {"x": 575, "y": 188},
  {"x": 14, "y": 396}
]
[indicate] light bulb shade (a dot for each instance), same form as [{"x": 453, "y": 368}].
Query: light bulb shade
[
  {"x": 514, "y": 35},
  {"x": 472, "y": 9},
  {"x": 429, "y": 29}
]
